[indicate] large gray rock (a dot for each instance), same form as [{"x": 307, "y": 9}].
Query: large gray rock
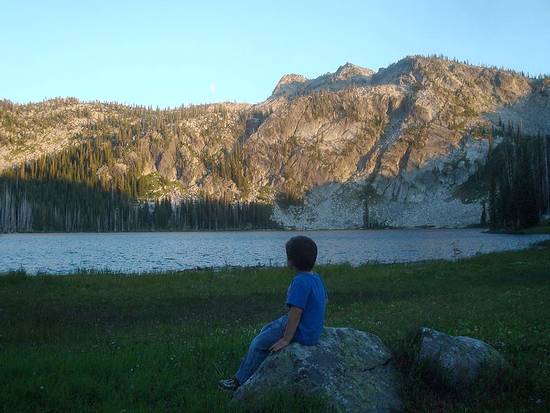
[
  {"x": 457, "y": 361},
  {"x": 352, "y": 370}
]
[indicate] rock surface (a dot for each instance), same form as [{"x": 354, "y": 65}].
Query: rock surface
[
  {"x": 351, "y": 369},
  {"x": 459, "y": 361}
]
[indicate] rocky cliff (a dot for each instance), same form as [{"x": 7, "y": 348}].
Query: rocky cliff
[{"x": 348, "y": 148}]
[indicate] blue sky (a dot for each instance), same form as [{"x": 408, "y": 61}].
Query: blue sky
[{"x": 167, "y": 53}]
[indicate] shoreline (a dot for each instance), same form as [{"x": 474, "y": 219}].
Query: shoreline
[
  {"x": 422, "y": 227},
  {"x": 93, "y": 273}
]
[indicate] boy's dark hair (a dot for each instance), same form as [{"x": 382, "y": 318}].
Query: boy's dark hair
[{"x": 302, "y": 251}]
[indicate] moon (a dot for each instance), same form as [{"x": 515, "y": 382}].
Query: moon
[{"x": 213, "y": 88}]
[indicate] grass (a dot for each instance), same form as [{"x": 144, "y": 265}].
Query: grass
[
  {"x": 120, "y": 343},
  {"x": 541, "y": 228}
]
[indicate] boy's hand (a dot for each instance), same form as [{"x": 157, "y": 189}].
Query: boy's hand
[{"x": 282, "y": 343}]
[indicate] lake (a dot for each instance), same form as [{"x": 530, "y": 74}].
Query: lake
[{"x": 161, "y": 251}]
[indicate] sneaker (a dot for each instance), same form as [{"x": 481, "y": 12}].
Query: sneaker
[{"x": 229, "y": 384}]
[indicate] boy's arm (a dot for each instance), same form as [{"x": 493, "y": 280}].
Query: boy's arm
[{"x": 294, "y": 316}]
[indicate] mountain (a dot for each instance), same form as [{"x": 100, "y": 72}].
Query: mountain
[{"x": 395, "y": 147}]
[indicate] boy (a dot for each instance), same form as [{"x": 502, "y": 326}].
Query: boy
[{"x": 306, "y": 302}]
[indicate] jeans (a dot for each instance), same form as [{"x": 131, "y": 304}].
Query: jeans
[{"x": 259, "y": 348}]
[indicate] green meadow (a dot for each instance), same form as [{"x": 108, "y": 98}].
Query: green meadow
[{"x": 159, "y": 342}]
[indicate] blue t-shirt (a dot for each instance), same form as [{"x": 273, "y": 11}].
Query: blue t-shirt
[{"x": 307, "y": 292}]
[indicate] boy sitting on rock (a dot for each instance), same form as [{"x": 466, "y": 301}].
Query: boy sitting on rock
[{"x": 306, "y": 302}]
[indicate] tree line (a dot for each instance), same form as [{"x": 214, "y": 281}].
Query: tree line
[
  {"x": 80, "y": 189},
  {"x": 60, "y": 206},
  {"x": 515, "y": 179},
  {"x": 519, "y": 180}
]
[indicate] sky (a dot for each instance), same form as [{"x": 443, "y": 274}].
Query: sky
[{"x": 169, "y": 53}]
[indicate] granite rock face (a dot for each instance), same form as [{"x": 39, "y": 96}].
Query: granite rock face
[
  {"x": 405, "y": 134},
  {"x": 458, "y": 361},
  {"x": 352, "y": 370}
]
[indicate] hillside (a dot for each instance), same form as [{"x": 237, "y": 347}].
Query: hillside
[{"x": 347, "y": 149}]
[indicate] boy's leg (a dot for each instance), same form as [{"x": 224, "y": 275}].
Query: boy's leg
[{"x": 259, "y": 348}]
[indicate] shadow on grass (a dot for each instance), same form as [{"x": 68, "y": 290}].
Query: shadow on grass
[{"x": 284, "y": 402}]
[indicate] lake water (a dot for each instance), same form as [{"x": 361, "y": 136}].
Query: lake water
[{"x": 143, "y": 252}]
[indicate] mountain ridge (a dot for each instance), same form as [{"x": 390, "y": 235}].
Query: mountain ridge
[{"x": 407, "y": 135}]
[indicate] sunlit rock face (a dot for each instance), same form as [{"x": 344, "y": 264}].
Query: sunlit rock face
[
  {"x": 406, "y": 134},
  {"x": 347, "y": 149}
]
